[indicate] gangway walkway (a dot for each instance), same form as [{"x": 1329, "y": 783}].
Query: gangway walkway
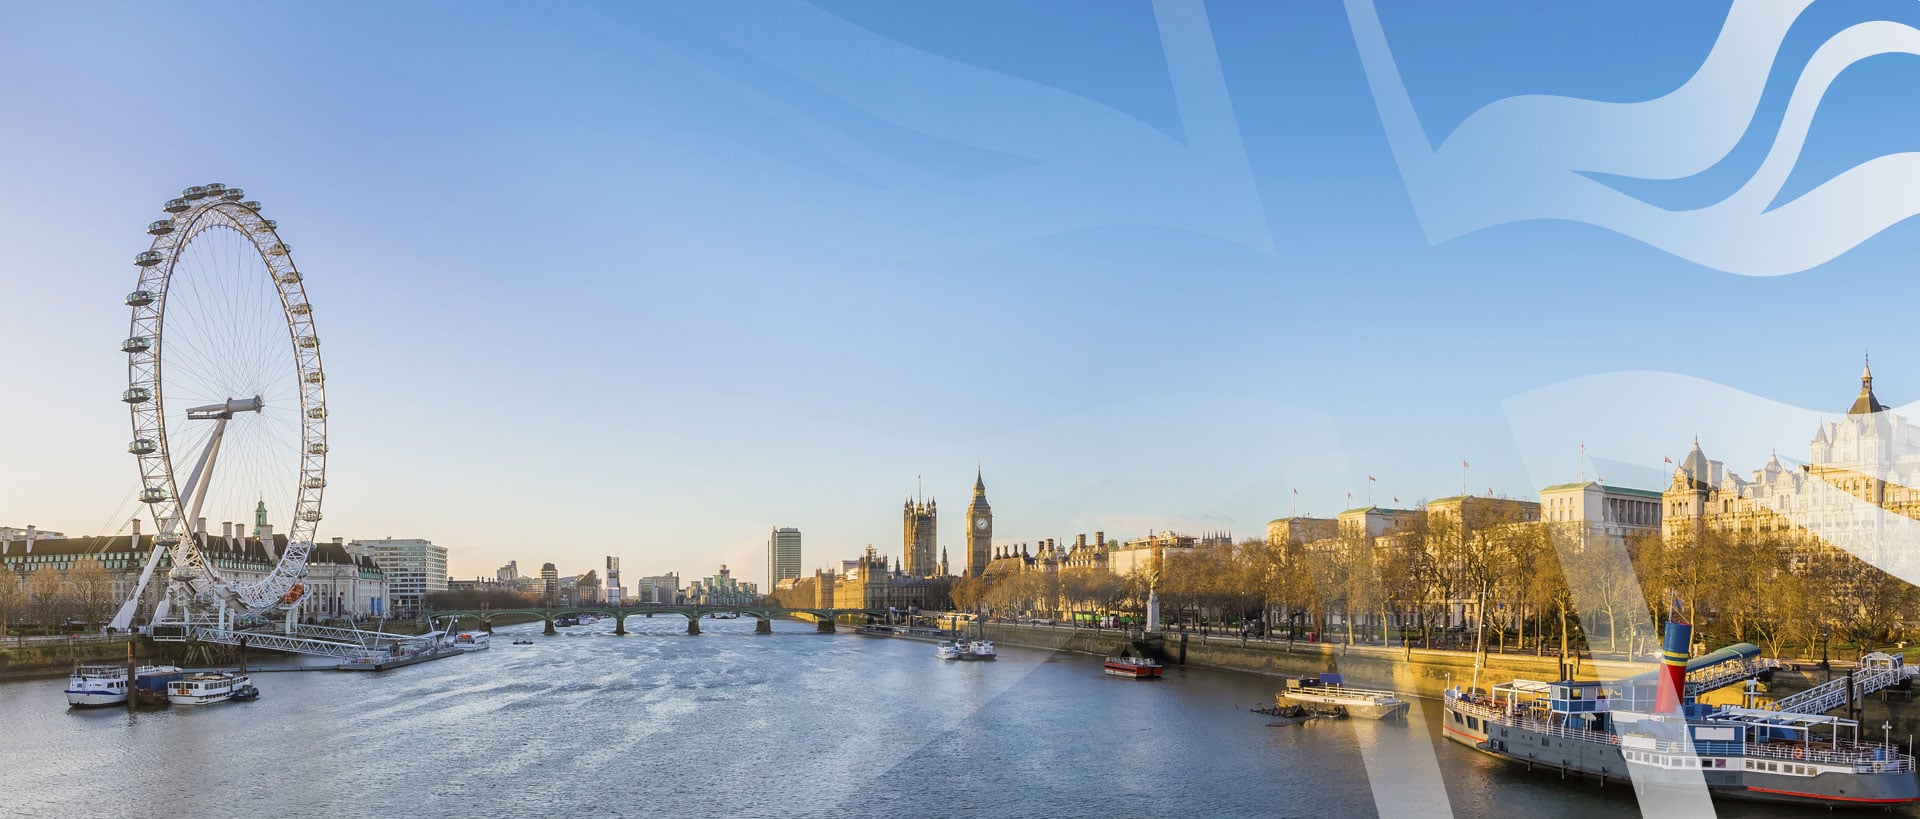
[
  {"x": 271, "y": 641},
  {"x": 1877, "y": 671},
  {"x": 365, "y": 638},
  {"x": 1721, "y": 675}
]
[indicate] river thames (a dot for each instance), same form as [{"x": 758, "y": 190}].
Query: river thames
[{"x": 731, "y": 723}]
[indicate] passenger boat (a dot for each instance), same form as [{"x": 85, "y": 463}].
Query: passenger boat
[
  {"x": 976, "y": 650},
  {"x": 1330, "y": 695},
  {"x": 472, "y": 641},
  {"x": 947, "y": 650},
  {"x": 92, "y": 686},
  {"x": 206, "y": 687},
  {"x": 1649, "y": 731},
  {"x": 1139, "y": 668}
]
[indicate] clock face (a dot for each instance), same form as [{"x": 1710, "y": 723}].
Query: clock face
[{"x": 980, "y": 523}]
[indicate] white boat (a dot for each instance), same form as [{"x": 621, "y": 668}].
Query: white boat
[
  {"x": 1330, "y": 696},
  {"x": 472, "y": 641},
  {"x": 977, "y": 650},
  {"x": 205, "y": 687},
  {"x": 947, "y": 650},
  {"x": 92, "y": 686}
]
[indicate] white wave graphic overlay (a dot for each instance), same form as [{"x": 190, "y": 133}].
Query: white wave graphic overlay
[{"x": 1528, "y": 157}]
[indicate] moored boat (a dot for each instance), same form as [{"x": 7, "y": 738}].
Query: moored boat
[
  {"x": 1329, "y": 695},
  {"x": 976, "y": 650},
  {"x": 947, "y": 650},
  {"x": 93, "y": 686},
  {"x": 1139, "y": 668},
  {"x": 1647, "y": 730},
  {"x": 206, "y": 687},
  {"x": 472, "y": 641}
]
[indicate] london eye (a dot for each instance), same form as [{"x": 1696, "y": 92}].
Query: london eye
[{"x": 228, "y": 404}]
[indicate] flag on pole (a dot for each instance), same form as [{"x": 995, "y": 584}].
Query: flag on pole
[
  {"x": 1349, "y": 496},
  {"x": 1396, "y": 499},
  {"x": 1296, "y": 490},
  {"x": 1667, "y": 458},
  {"x": 1465, "y": 465},
  {"x": 1369, "y": 477}
]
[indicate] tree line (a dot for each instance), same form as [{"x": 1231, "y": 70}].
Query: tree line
[
  {"x": 49, "y": 600},
  {"x": 1503, "y": 584}
]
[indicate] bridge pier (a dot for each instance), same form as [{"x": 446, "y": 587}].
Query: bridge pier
[
  {"x": 765, "y": 626},
  {"x": 693, "y": 625},
  {"x": 823, "y": 626},
  {"x": 549, "y": 630},
  {"x": 487, "y": 625},
  {"x": 620, "y": 626}
]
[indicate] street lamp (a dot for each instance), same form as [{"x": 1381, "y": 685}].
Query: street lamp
[{"x": 1825, "y": 632}]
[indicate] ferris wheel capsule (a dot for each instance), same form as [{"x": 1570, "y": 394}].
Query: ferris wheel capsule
[
  {"x": 160, "y": 228},
  {"x": 194, "y": 193},
  {"x": 148, "y": 258},
  {"x": 153, "y": 494},
  {"x": 139, "y": 298},
  {"x": 252, "y": 204},
  {"x": 176, "y": 206},
  {"x": 137, "y": 344},
  {"x": 233, "y": 194}
]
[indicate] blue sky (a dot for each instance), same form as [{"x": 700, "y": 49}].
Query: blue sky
[{"x": 647, "y": 280}]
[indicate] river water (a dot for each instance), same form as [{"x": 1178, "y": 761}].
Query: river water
[{"x": 731, "y": 723}]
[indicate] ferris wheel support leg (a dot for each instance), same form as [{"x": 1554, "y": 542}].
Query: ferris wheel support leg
[
  {"x": 202, "y": 474},
  {"x": 123, "y": 619}
]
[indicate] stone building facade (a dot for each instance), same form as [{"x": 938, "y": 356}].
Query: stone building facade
[{"x": 920, "y": 533}]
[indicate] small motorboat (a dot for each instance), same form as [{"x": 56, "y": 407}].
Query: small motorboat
[
  {"x": 245, "y": 693},
  {"x": 1138, "y": 668},
  {"x": 523, "y": 642}
]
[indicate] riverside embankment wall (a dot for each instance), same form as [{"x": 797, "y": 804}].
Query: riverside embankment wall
[
  {"x": 40, "y": 657},
  {"x": 1420, "y": 671}
]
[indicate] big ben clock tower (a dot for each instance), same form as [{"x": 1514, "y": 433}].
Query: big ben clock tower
[{"x": 979, "y": 529}]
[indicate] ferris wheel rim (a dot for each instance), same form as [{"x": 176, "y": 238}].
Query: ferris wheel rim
[{"x": 202, "y": 209}]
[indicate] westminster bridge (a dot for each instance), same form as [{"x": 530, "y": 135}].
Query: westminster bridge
[{"x": 823, "y": 618}]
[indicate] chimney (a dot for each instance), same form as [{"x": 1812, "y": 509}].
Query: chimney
[
  {"x": 200, "y": 525},
  {"x": 136, "y": 531},
  {"x": 1081, "y": 542},
  {"x": 32, "y": 533},
  {"x": 226, "y": 529},
  {"x": 1100, "y": 540}
]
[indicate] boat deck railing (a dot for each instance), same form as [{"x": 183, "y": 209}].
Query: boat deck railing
[
  {"x": 1338, "y": 690},
  {"x": 1861, "y": 758}
]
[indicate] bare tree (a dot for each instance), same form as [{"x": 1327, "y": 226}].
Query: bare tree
[
  {"x": 92, "y": 589},
  {"x": 46, "y": 598},
  {"x": 12, "y": 597}
]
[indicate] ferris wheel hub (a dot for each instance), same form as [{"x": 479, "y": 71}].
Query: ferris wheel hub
[{"x": 214, "y": 412}]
